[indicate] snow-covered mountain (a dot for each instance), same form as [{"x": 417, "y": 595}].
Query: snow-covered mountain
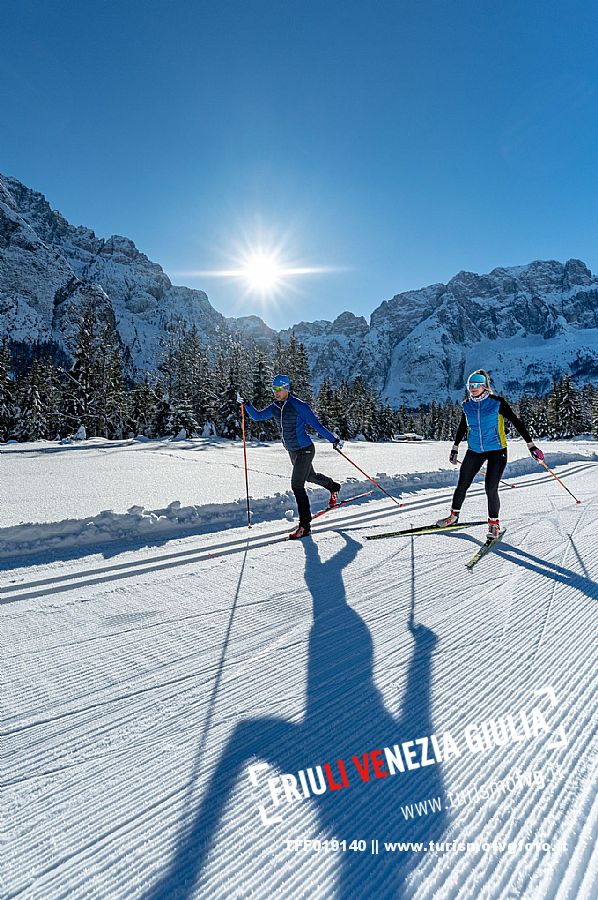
[
  {"x": 46, "y": 264},
  {"x": 525, "y": 324}
]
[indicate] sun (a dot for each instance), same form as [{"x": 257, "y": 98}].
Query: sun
[{"x": 262, "y": 272}]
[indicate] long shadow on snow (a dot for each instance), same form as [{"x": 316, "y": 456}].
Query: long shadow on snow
[
  {"x": 345, "y": 715},
  {"x": 560, "y": 574}
]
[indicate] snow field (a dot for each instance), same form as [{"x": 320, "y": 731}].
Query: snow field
[{"x": 144, "y": 679}]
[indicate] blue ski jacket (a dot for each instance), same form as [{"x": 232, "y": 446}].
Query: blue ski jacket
[
  {"x": 292, "y": 416},
  {"x": 484, "y": 423}
]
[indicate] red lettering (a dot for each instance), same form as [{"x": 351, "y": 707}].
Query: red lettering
[
  {"x": 341, "y": 768},
  {"x": 330, "y": 779},
  {"x": 364, "y": 770},
  {"x": 378, "y": 763}
]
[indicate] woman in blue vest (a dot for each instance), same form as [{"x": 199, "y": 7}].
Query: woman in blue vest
[
  {"x": 292, "y": 416},
  {"x": 483, "y": 421}
]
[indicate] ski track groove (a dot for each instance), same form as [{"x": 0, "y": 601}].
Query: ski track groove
[{"x": 265, "y": 632}]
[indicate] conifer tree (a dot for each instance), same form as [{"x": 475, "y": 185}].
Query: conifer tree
[
  {"x": 33, "y": 424},
  {"x": 300, "y": 371},
  {"x": 52, "y": 398},
  {"x": 588, "y": 396},
  {"x": 261, "y": 397},
  {"x": 229, "y": 411},
  {"x": 81, "y": 380},
  {"x": 7, "y": 392},
  {"x": 327, "y": 406},
  {"x": 570, "y": 411},
  {"x": 181, "y": 416},
  {"x": 143, "y": 408},
  {"x": 343, "y": 400},
  {"x": 554, "y": 412},
  {"x": 540, "y": 419}
]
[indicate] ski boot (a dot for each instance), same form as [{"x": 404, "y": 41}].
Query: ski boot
[
  {"x": 300, "y": 531},
  {"x": 334, "y": 497},
  {"x": 450, "y": 520},
  {"x": 493, "y": 529}
]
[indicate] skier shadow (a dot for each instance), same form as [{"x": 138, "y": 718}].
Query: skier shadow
[
  {"x": 345, "y": 716},
  {"x": 556, "y": 572}
]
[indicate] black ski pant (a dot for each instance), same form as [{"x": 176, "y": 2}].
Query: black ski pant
[
  {"x": 303, "y": 471},
  {"x": 496, "y": 461}
]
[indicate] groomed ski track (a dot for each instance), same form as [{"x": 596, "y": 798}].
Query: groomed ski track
[{"x": 142, "y": 682}]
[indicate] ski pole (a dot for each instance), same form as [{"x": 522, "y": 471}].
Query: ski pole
[
  {"x": 483, "y": 472},
  {"x": 245, "y": 461},
  {"x": 556, "y": 477},
  {"x": 369, "y": 477}
]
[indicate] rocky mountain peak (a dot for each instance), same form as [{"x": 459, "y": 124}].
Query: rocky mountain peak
[{"x": 525, "y": 324}]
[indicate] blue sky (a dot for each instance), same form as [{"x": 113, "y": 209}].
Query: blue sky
[{"x": 397, "y": 142}]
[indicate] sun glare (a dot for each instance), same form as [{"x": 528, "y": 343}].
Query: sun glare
[{"x": 262, "y": 272}]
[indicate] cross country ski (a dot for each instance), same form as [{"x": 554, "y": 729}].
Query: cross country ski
[
  {"x": 484, "y": 550},
  {"x": 340, "y": 503},
  {"x": 424, "y": 529}
]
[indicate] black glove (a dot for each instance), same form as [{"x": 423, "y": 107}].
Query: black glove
[
  {"x": 453, "y": 455},
  {"x": 535, "y": 452},
  {"x": 338, "y": 444}
]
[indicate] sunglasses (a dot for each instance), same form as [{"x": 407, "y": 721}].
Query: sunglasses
[
  {"x": 475, "y": 384},
  {"x": 277, "y": 389}
]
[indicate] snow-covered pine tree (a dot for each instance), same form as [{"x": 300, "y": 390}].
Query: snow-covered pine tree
[
  {"x": 588, "y": 396},
  {"x": 81, "y": 382},
  {"x": 280, "y": 357},
  {"x": 360, "y": 411},
  {"x": 299, "y": 370},
  {"x": 7, "y": 392},
  {"x": 181, "y": 416},
  {"x": 180, "y": 369},
  {"x": 163, "y": 412},
  {"x": 229, "y": 411},
  {"x": 555, "y": 428},
  {"x": 540, "y": 419},
  {"x": 116, "y": 399},
  {"x": 169, "y": 364},
  {"x": 450, "y": 416},
  {"x": 196, "y": 376},
  {"x": 33, "y": 423},
  {"x": 143, "y": 407},
  {"x": 343, "y": 399},
  {"x": 327, "y": 406},
  {"x": 52, "y": 395},
  {"x": 261, "y": 396},
  {"x": 384, "y": 422},
  {"x": 400, "y": 420},
  {"x": 570, "y": 411},
  {"x": 526, "y": 414}
]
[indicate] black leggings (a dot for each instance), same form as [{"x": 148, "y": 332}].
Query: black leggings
[
  {"x": 496, "y": 461},
  {"x": 303, "y": 471}
]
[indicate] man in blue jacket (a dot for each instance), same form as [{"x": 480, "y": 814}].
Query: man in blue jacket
[{"x": 292, "y": 416}]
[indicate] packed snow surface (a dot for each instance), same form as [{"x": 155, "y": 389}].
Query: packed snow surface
[{"x": 173, "y": 680}]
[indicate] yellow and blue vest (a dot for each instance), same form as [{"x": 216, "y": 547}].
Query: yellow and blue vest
[{"x": 485, "y": 424}]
